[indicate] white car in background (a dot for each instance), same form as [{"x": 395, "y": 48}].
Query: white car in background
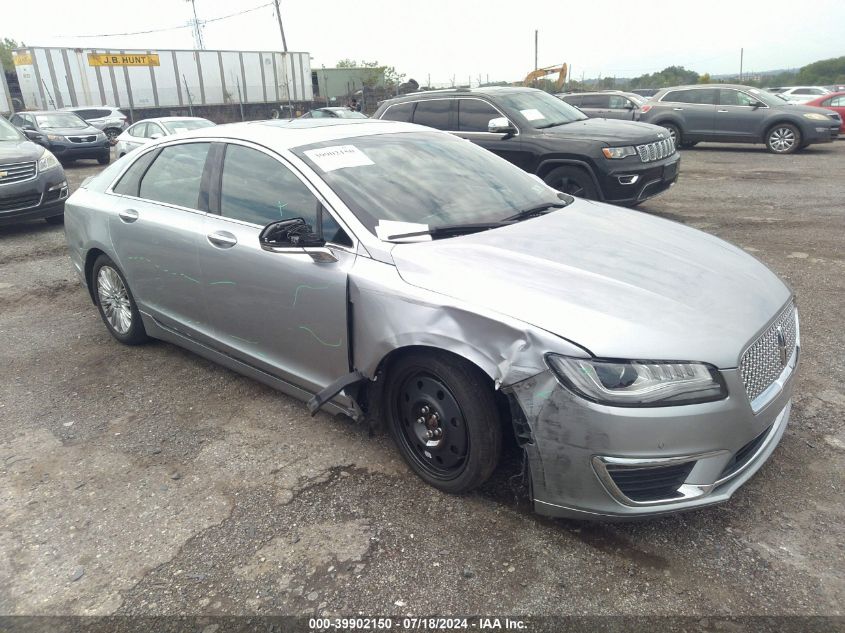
[
  {"x": 148, "y": 130},
  {"x": 799, "y": 94}
]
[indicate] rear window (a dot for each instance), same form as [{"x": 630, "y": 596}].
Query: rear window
[
  {"x": 175, "y": 175},
  {"x": 399, "y": 112},
  {"x": 695, "y": 96},
  {"x": 595, "y": 101}
]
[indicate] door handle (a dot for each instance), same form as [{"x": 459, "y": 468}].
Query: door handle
[
  {"x": 128, "y": 215},
  {"x": 222, "y": 239},
  {"x": 721, "y": 110},
  {"x": 678, "y": 109}
]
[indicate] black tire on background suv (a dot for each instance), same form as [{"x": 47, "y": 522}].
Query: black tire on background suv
[
  {"x": 572, "y": 180},
  {"x": 674, "y": 132}
]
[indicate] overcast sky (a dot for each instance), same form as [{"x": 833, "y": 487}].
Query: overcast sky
[{"x": 466, "y": 38}]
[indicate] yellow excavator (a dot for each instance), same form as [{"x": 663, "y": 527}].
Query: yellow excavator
[{"x": 534, "y": 75}]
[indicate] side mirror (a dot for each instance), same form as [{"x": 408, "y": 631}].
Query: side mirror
[
  {"x": 29, "y": 127},
  {"x": 500, "y": 125},
  {"x": 156, "y": 135},
  {"x": 757, "y": 104},
  {"x": 286, "y": 234}
]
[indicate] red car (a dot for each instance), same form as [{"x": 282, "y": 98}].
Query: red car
[{"x": 834, "y": 101}]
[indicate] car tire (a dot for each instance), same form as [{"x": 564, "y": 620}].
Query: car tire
[
  {"x": 115, "y": 303},
  {"x": 783, "y": 138},
  {"x": 572, "y": 180},
  {"x": 104, "y": 160},
  {"x": 55, "y": 219},
  {"x": 674, "y": 132},
  {"x": 455, "y": 402}
]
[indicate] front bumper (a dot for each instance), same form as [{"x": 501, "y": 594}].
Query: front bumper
[
  {"x": 630, "y": 181},
  {"x": 821, "y": 132},
  {"x": 41, "y": 197},
  {"x": 599, "y": 462},
  {"x": 72, "y": 151}
]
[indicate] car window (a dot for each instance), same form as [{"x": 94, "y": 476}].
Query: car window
[
  {"x": 184, "y": 125},
  {"x": 837, "y": 102},
  {"x": 474, "y": 115},
  {"x": 99, "y": 114},
  {"x": 153, "y": 128},
  {"x": 596, "y": 101},
  {"x": 399, "y": 112},
  {"x": 573, "y": 100},
  {"x": 730, "y": 97},
  {"x": 17, "y": 120},
  {"x": 259, "y": 189},
  {"x": 693, "y": 96},
  {"x": 434, "y": 113},
  {"x": 139, "y": 130},
  {"x": 85, "y": 114},
  {"x": 131, "y": 178},
  {"x": 9, "y": 132},
  {"x": 176, "y": 175},
  {"x": 618, "y": 102}
]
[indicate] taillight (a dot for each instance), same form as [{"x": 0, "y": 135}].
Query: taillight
[{"x": 645, "y": 108}]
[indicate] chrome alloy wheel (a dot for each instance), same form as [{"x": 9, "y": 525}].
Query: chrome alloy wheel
[
  {"x": 782, "y": 139},
  {"x": 114, "y": 299}
]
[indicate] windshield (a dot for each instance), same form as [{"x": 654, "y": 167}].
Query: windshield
[
  {"x": 60, "y": 120},
  {"x": 424, "y": 177},
  {"x": 174, "y": 127},
  {"x": 766, "y": 97},
  {"x": 8, "y": 131},
  {"x": 541, "y": 109}
]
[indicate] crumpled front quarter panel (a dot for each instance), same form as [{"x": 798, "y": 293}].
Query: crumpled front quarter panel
[{"x": 389, "y": 314}]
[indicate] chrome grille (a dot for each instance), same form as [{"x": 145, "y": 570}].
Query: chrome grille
[
  {"x": 82, "y": 139},
  {"x": 763, "y": 362},
  {"x": 656, "y": 151},
  {"x": 16, "y": 172}
]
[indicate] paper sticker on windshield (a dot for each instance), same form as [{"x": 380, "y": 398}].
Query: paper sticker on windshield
[
  {"x": 338, "y": 157},
  {"x": 531, "y": 114}
]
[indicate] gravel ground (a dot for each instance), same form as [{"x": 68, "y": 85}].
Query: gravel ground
[{"x": 149, "y": 481}]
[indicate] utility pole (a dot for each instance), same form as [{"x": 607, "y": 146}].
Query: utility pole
[
  {"x": 535, "y": 50},
  {"x": 741, "y": 55},
  {"x": 197, "y": 27},
  {"x": 281, "y": 29}
]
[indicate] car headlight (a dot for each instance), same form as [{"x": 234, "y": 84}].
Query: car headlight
[
  {"x": 618, "y": 152},
  {"x": 815, "y": 116},
  {"x": 56, "y": 137},
  {"x": 101, "y": 136},
  {"x": 635, "y": 383},
  {"x": 47, "y": 161}
]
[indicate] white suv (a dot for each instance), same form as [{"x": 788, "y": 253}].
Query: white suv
[{"x": 799, "y": 94}]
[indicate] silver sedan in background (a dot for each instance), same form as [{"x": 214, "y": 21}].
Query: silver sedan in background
[
  {"x": 403, "y": 276},
  {"x": 148, "y": 130}
]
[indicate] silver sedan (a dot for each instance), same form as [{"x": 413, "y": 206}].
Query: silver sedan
[{"x": 405, "y": 277}]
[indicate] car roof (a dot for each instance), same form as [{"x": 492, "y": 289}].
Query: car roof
[
  {"x": 101, "y": 107},
  {"x": 45, "y": 112},
  {"x": 687, "y": 87},
  {"x": 286, "y": 134},
  {"x": 461, "y": 92}
]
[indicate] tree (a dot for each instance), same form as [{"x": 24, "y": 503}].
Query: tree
[
  {"x": 376, "y": 72},
  {"x": 704, "y": 79},
  {"x": 824, "y": 71},
  {"x": 670, "y": 76},
  {"x": 7, "y": 45}
]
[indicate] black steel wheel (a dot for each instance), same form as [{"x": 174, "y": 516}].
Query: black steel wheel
[
  {"x": 443, "y": 418},
  {"x": 572, "y": 180}
]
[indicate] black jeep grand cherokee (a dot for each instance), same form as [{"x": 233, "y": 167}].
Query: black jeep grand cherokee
[{"x": 622, "y": 162}]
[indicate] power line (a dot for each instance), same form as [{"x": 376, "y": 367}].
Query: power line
[{"x": 169, "y": 28}]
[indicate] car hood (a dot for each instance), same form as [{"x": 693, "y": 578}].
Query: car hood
[
  {"x": 609, "y": 131},
  {"x": 22, "y": 150},
  {"x": 620, "y": 283},
  {"x": 798, "y": 107},
  {"x": 71, "y": 131}
]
